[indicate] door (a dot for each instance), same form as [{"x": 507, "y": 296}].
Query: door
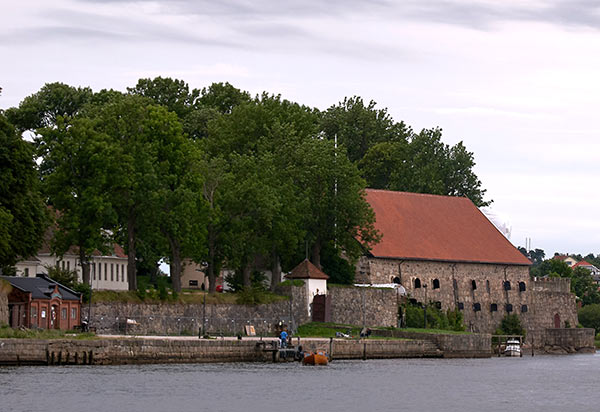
[
  {"x": 557, "y": 321},
  {"x": 321, "y": 311},
  {"x": 54, "y": 317}
]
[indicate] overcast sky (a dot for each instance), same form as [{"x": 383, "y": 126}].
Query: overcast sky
[{"x": 518, "y": 81}]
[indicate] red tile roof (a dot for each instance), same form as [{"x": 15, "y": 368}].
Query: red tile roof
[
  {"x": 307, "y": 270},
  {"x": 582, "y": 263},
  {"x": 439, "y": 228}
]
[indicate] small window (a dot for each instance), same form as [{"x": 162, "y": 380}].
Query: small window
[
  {"x": 417, "y": 283},
  {"x": 63, "y": 313},
  {"x": 73, "y": 313},
  {"x": 112, "y": 272},
  {"x": 473, "y": 285},
  {"x": 506, "y": 285},
  {"x": 436, "y": 283},
  {"x": 476, "y": 307},
  {"x": 122, "y": 273},
  {"x": 26, "y": 272},
  {"x": 68, "y": 265},
  {"x": 493, "y": 307},
  {"x": 522, "y": 287},
  {"x": 461, "y": 306},
  {"x": 509, "y": 307},
  {"x": 106, "y": 271},
  {"x": 33, "y": 312},
  {"x": 193, "y": 283},
  {"x": 438, "y": 305},
  {"x": 43, "y": 313},
  {"x": 396, "y": 280},
  {"x": 487, "y": 286},
  {"x": 524, "y": 309}
]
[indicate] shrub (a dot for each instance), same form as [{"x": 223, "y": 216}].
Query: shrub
[
  {"x": 236, "y": 280},
  {"x": 589, "y": 316},
  {"x": 436, "y": 318},
  {"x": 511, "y": 325}
]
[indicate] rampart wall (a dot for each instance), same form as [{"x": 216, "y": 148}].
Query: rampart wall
[
  {"x": 484, "y": 293},
  {"x": 359, "y": 305}
]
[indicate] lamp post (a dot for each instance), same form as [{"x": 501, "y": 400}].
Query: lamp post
[{"x": 425, "y": 308}]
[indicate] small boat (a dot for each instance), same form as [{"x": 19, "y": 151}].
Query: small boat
[
  {"x": 315, "y": 358},
  {"x": 513, "y": 348}
]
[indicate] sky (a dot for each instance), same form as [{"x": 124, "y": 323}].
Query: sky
[{"x": 517, "y": 81}]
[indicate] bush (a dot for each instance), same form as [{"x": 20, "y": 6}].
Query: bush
[
  {"x": 436, "y": 318},
  {"x": 85, "y": 290},
  {"x": 589, "y": 316},
  {"x": 511, "y": 325},
  {"x": 236, "y": 280}
]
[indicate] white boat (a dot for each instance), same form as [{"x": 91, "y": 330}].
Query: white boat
[{"x": 513, "y": 348}]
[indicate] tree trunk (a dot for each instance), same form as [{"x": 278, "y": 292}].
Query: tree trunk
[
  {"x": 246, "y": 272},
  {"x": 275, "y": 270},
  {"x": 212, "y": 275},
  {"x": 131, "y": 270},
  {"x": 175, "y": 265},
  {"x": 85, "y": 267},
  {"x": 315, "y": 255}
]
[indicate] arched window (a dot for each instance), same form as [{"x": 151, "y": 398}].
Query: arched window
[
  {"x": 461, "y": 306},
  {"x": 522, "y": 287},
  {"x": 509, "y": 307},
  {"x": 417, "y": 283},
  {"x": 524, "y": 309},
  {"x": 476, "y": 307},
  {"x": 493, "y": 307},
  {"x": 436, "y": 283},
  {"x": 396, "y": 280},
  {"x": 473, "y": 284},
  {"x": 506, "y": 285}
]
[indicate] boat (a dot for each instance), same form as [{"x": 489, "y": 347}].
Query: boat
[
  {"x": 513, "y": 348},
  {"x": 315, "y": 358}
]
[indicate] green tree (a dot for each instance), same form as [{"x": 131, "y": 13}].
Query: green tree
[
  {"x": 23, "y": 217},
  {"x": 511, "y": 325},
  {"x": 43, "y": 108},
  {"x": 223, "y": 97},
  {"x": 589, "y": 316},
  {"x": 75, "y": 180},
  {"x": 173, "y": 94},
  {"x": 359, "y": 126}
]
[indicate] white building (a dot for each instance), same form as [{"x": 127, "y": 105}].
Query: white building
[{"x": 315, "y": 281}]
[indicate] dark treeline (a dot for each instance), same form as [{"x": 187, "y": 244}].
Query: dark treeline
[{"x": 214, "y": 175}]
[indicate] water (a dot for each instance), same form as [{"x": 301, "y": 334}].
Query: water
[{"x": 541, "y": 383}]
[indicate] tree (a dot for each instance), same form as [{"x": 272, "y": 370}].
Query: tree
[
  {"x": 223, "y": 97},
  {"x": 23, "y": 217},
  {"x": 359, "y": 127},
  {"x": 175, "y": 94},
  {"x": 511, "y": 325},
  {"x": 589, "y": 316},
  {"x": 43, "y": 108},
  {"x": 75, "y": 180}
]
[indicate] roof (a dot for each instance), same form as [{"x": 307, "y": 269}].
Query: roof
[
  {"x": 307, "y": 270},
  {"x": 583, "y": 263},
  {"x": 438, "y": 228},
  {"x": 40, "y": 287}
]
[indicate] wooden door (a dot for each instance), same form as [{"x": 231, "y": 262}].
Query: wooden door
[{"x": 557, "y": 321}]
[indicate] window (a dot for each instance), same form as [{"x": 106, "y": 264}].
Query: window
[
  {"x": 122, "y": 273},
  {"x": 99, "y": 271},
  {"x": 63, "y": 313},
  {"x": 26, "y": 272},
  {"x": 106, "y": 271},
  {"x": 93, "y": 269},
  {"x": 524, "y": 309},
  {"x": 476, "y": 307},
  {"x": 112, "y": 272},
  {"x": 193, "y": 283},
  {"x": 396, "y": 280},
  {"x": 436, "y": 283},
  {"x": 44, "y": 313},
  {"x": 522, "y": 287},
  {"x": 417, "y": 283},
  {"x": 506, "y": 285},
  {"x": 68, "y": 265},
  {"x": 509, "y": 307},
  {"x": 493, "y": 307},
  {"x": 73, "y": 313},
  {"x": 33, "y": 312},
  {"x": 487, "y": 286},
  {"x": 461, "y": 306},
  {"x": 473, "y": 284},
  {"x": 117, "y": 270}
]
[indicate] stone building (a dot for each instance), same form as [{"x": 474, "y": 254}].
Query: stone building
[{"x": 444, "y": 251}]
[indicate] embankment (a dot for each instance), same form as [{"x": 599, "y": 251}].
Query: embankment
[{"x": 137, "y": 350}]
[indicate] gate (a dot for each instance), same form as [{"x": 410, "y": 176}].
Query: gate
[{"x": 321, "y": 308}]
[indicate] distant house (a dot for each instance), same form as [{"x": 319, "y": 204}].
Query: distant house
[
  {"x": 107, "y": 271},
  {"x": 315, "y": 280},
  {"x": 594, "y": 271},
  {"x": 40, "y": 302},
  {"x": 570, "y": 261}
]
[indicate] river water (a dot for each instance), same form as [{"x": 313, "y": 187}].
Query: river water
[{"x": 541, "y": 383}]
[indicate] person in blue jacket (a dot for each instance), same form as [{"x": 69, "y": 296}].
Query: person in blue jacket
[{"x": 283, "y": 336}]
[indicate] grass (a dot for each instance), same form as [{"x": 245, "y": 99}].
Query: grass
[
  {"x": 328, "y": 330},
  {"x": 185, "y": 297},
  {"x": 10, "y": 333},
  {"x": 597, "y": 343}
]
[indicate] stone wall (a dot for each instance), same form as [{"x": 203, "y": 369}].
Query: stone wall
[
  {"x": 178, "y": 319},
  {"x": 569, "y": 340},
  {"x": 358, "y": 306},
  {"x": 4, "y": 289},
  {"x": 479, "y": 291}
]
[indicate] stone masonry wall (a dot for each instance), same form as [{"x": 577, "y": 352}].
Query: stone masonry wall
[
  {"x": 353, "y": 306},
  {"x": 478, "y": 290},
  {"x": 178, "y": 319}
]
